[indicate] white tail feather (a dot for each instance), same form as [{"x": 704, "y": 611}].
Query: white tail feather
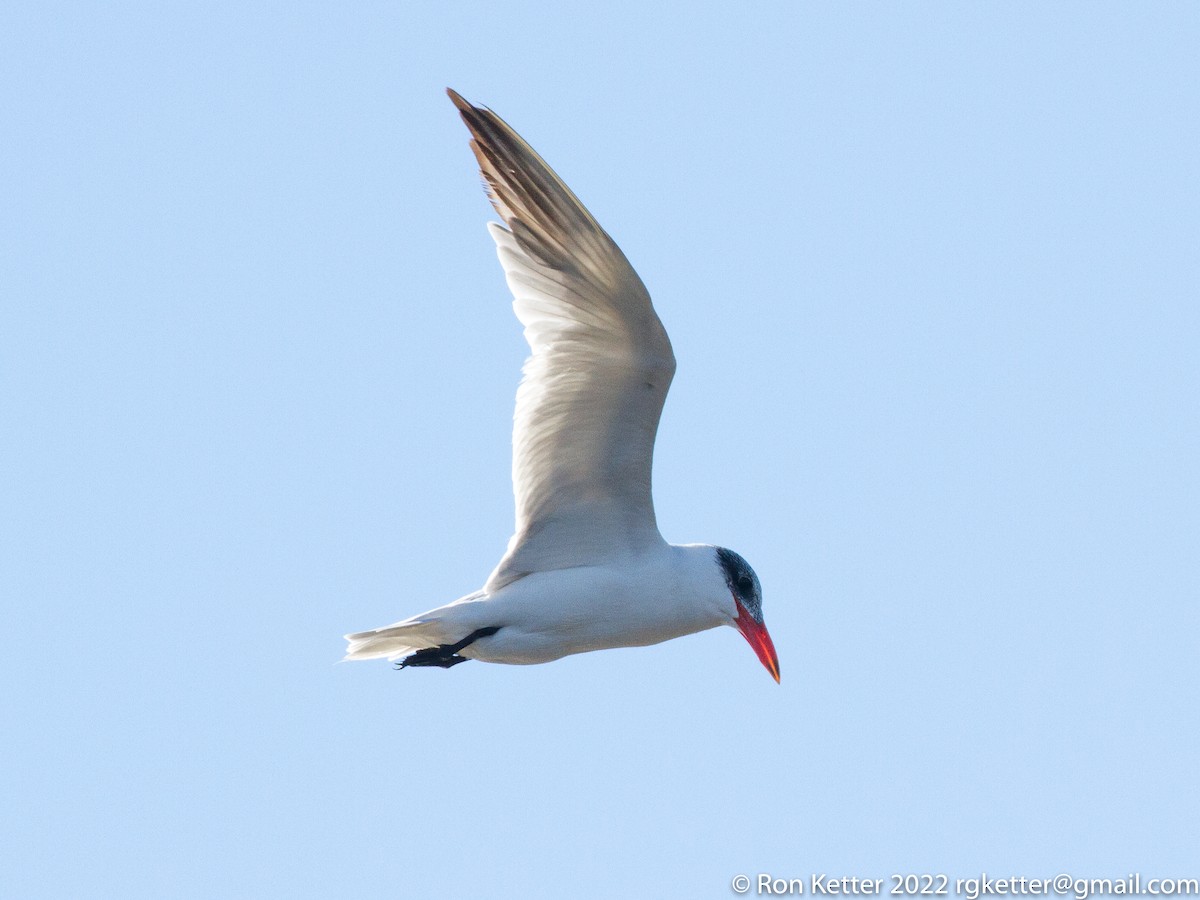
[
  {"x": 443, "y": 625},
  {"x": 394, "y": 641}
]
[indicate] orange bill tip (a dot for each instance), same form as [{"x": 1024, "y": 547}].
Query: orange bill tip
[{"x": 756, "y": 636}]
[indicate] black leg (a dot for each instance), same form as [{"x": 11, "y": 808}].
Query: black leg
[{"x": 446, "y": 655}]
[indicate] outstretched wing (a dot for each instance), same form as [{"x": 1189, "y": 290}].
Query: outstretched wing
[{"x": 593, "y": 388}]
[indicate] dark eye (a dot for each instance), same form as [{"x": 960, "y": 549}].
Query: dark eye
[{"x": 745, "y": 585}]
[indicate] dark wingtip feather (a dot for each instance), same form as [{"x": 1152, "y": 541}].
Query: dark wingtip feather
[
  {"x": 476, "y": 120},
  {"x": 550, "y": 223},
  {"x": 457, "y": 99}
]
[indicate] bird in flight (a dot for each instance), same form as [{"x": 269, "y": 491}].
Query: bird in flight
[{"x": 586, "y": 568}]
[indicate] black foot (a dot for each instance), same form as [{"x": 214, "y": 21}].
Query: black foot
[
  {"x": 446, "y": 655},
  {"x": 434, "y": 656}
]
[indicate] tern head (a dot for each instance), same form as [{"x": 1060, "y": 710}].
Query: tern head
[{"x": 747, "y": 600}]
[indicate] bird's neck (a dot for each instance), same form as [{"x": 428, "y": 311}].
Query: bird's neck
[{"x": 699, "y": 582}]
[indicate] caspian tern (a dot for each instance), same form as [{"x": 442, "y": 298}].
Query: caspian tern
[{"x": 587, "y": 568}]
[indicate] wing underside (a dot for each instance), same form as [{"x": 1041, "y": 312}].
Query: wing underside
[{"x": 592, "y": 394}]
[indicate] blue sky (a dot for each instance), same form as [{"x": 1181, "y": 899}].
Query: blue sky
[{"x": 931, "y": 276}]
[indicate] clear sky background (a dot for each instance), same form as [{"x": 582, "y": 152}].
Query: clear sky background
[{"x": 931, "y": 275}]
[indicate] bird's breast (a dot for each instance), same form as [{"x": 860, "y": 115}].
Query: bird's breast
[{"x": 548, "y": 615}]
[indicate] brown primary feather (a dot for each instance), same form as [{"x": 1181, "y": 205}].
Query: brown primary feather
[{"x": 533, "y": 201}]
